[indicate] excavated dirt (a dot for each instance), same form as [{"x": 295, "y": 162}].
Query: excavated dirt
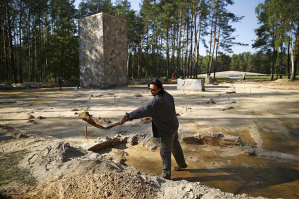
[{"x": 44, "y": 122}]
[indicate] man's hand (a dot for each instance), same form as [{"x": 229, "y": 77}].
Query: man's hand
[{"x": 122, "y": 120}]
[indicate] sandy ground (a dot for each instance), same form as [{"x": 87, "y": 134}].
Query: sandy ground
[{"x": 264, "y": 115}]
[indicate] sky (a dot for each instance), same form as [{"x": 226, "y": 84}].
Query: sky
[{"x": 244, "y": 29}]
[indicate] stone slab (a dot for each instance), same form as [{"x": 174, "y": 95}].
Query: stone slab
[{"x": 191, "y": 84}]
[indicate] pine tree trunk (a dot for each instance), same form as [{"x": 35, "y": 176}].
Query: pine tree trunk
[
  {"x": 214, "y": 37},
  {"x": 217, "y": 45},
  {"x": 293, "y": 58},
  {"x": 280, "y": 62},
  {"x": 35, "y": 59},
  {"x": 46, "y": 44},
  {"x": 133, "y": 64},
  {"x": 2, "y": 66},
  {"x": 138, "y": 65},
  {"x": 179, "y": 45},
  {"x": 140, "y": 60},
  {"x": 147, "y": 58},
  {"x": 21, "y": 51},
  {"x": 157, "y": 69},
  {"x": 29, "y": 50},
  {"x": 40, "y": 77},
  {"x": 210, "y": 57},
  {"x": 191, "y": 45},
  {"x": 186, "y": 56},
  {"x": 12, "y": 61},
  {"x": 167, "y": 53},
  {"x": 5, "y": 54},
  {"x": 289, "y": 75},
  {"x": 172, "y": 51},
  {"x": 197, "y": 43},
  {"x": 274, "y": 57}
]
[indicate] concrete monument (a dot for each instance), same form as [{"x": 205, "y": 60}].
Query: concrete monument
[{"x": 103, "y": 51}]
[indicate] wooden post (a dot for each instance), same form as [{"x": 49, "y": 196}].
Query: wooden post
[{"x": 85, "y": 131}]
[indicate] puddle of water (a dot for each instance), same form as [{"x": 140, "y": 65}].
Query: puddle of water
[{"x": 238, "y": 174}]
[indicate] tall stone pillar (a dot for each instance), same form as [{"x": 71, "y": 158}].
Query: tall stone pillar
[{"x": 103, "y": 51}]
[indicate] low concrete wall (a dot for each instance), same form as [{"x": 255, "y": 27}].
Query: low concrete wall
[{"x": 191, "y": 84}]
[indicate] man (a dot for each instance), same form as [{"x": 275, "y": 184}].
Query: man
[
  {"x": 173, "y": 75},
  {"x": 164, "y": 125}
]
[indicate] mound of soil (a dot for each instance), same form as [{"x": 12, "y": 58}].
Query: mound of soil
[
  {"x": 65, "y": 171},
  {"x": 98, "y": 185}
]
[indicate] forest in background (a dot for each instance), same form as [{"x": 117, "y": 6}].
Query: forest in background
[{"x": 39, "y": 38}]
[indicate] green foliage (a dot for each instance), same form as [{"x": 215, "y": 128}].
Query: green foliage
[
  {"x": 90, "y": 7},
  {"x": 279, "y": 21},
  {"x": 63, "y": 50},
  {"x": 10, "y": 170},
  {"x": 40, "y": 38}
]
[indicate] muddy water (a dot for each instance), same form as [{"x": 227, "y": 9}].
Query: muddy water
[{"x": 235, "y": 174}]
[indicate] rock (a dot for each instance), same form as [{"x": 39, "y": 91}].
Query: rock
[
  {"x": 5, "y": 87},
  {"x": 215, "y": 139},
  {"x": 107, "y": 142},
  {"x": 135, "y": 139},
  {"x": 189, "y": 138},
  {"x": 117, "y": 156},
  {"x": 151, "y": 143},
  {"x": 211, "y": 101},
  {"x": 231, "y": 92},
  {"x": 215, "y": 134},
  {"x": 31, "y": 121},
  {"x": 35, "y": 85},
  {"x": 246, "y": 165},
  {"x": 48, "y": 85},
  {"x": 248, "y": 150},
  {"x": 227, "y": 108},
  {"x": 18, "y": 134},
  {"x": 21, "y": 85},
  {"x": 29, "y": 116}
]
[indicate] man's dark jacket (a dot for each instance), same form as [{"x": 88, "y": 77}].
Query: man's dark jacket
[{"x": 162, "y": 110}]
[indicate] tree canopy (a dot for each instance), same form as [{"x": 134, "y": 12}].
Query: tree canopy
[{"x": 40, "y": 42}]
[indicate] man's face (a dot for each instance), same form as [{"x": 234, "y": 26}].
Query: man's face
[{"x": 154, "y": 89}]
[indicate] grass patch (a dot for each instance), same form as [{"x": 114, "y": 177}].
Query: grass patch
[{"x": 9, "y": 170}]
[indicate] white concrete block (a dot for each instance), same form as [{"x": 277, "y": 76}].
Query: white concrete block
[{"x": 191, "y": 84}]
